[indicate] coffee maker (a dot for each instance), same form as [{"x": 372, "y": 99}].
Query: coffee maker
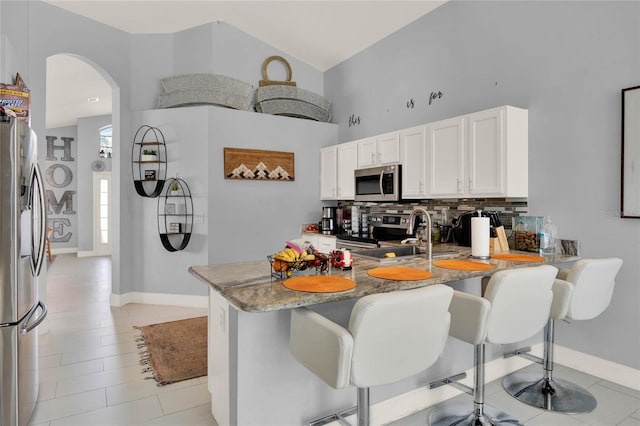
[{"x": 329, "y": 220}]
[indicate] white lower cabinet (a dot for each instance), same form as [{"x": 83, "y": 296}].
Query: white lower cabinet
[{"x": 324, "y": 244}]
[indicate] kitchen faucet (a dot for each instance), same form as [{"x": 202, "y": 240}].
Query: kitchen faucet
[{"x": 414, "y": 213}]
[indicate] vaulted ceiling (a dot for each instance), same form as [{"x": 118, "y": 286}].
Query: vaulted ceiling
[{"x": 319, "y": 33}]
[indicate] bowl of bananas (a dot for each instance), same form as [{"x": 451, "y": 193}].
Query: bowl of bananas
[{"x": 295, "y": 258}]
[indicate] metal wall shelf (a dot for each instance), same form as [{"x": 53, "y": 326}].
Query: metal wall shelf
[
  {"x": 175, "y": 215},
  {"x": 149, "y": 174}
]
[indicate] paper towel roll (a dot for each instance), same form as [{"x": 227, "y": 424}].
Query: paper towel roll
[{"x": 480, "y": 237}]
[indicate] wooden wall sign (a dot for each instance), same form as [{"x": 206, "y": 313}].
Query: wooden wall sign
[{"x": 257, "y": 164}]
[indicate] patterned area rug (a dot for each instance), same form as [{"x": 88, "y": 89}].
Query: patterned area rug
[{"x": 174, "y": 351}]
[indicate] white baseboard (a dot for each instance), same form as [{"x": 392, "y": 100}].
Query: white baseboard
[
  {"x": 159, "y": 299},
  {"x": 64, "y": 250},
  {"x": 419, "y": 399},
  {"x": 86, "y": 253},
  {"x": 602, "y": 368}
]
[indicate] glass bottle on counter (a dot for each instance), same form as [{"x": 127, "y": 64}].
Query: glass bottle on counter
[{"x": 548, "y": 237}]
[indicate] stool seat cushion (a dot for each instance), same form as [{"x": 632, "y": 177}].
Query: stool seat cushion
[
  {"x": 520, "y": 303},
  {"x": 594, "y": 280},
  {"x": 562, "y": 292},
  {"x": 399, "y": 334},
  {"x": 322, "y": 346},
  {"x": 469, "y": 315},
  {"x": 390, "y": 337}
]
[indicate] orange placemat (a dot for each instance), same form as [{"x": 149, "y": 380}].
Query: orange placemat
[
  {"x": 400, "y": 273},
  {"x": 319, "y": 284},
  {"x": 462, "y": 265},
  {"x": 515, "y": 257}
]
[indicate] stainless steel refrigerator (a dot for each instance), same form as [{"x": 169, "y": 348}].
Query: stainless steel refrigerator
[{"x": 22, "y": 245}]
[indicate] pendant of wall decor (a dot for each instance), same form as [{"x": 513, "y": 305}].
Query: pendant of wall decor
[{"x": 148, "y": 161}]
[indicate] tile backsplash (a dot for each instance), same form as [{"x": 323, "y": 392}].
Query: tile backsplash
[{"x": 506, "y": 208}]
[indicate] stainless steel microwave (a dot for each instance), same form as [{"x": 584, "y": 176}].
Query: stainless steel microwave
[{"x": 378, "y": 183}]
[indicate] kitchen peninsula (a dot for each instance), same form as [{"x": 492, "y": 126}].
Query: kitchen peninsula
[{"x": 254, "y": 380}]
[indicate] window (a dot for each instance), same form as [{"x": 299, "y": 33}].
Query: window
[
  {"x": 106, "y": 147},
  {"x": 104, "y": 211}
]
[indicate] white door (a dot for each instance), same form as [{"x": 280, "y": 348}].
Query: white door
[{"x": 102, "y": 213}]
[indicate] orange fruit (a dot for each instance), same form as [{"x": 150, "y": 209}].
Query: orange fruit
[{"x": 280, "y": 265}]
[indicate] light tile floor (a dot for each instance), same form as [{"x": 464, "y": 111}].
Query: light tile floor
[
  {"x": 90, "y": 374},
  {"x": 617, "y": 405},
  {"x": 89, "y": 363}
]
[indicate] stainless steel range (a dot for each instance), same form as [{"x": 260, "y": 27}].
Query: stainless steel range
[{"x": 384, "y": 227}]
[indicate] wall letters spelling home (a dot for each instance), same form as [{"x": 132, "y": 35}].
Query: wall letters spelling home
[
  {"x": 59, "y": 176},
  {"x": 257, "y": 164}
]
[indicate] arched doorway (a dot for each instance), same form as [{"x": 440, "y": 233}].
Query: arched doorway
[{"x": 80, "y": 94}]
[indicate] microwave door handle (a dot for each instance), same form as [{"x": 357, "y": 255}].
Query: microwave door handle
[{"x": 381, "y": 186}]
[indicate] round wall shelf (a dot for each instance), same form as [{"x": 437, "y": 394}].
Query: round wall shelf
[
  {"x": 149, "y": 161},
  {"x": 175, "y": 215}
]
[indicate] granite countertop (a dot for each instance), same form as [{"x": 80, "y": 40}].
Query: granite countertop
[{"x": 249, "y": 286}]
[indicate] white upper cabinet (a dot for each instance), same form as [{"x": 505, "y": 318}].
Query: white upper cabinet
[
  {"x": 413, "y": 156},
  {"x": 479, "y": 155},
  {"x": 498, "y": 153},
  {"x": 329, "y": 173},
  {"x": 446, "y": 158},
  {"x": 379, "y": 150},
  {"x": 484, "y": 154},
  {"x": 337, "y": 164}
]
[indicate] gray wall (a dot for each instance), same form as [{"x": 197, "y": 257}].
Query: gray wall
[
  {"x": 233, "y": 220},
  {"x": 566, "y": 62},
  {"x": 217, "y": 48},
  {"x": 133, "y": 66},
  {"x": 250, "y": 219}
]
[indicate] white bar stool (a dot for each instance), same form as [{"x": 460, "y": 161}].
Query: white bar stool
[
  {"x": 582, "y": 293},
  {"x": 515, "y": 307},
  {"x": 390, "y": 337}
]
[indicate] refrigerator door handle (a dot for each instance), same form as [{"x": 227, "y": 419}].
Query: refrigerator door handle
[
  {"x": 38, "y": 250},
  {"x": 28, "y": 325}
]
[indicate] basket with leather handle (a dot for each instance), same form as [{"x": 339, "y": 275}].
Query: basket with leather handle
[{"x": 267, "y": 82}]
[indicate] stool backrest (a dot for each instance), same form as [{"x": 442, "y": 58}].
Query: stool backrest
[
  {"x": 594, "y": 280},
  {"x": 398, "y": 334},
  {"x": 520, "y": 303}
]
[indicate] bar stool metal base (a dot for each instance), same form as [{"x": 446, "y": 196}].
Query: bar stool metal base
[
  {"x": 550, "y": 394},
  {"x": 458, "y": 414}
]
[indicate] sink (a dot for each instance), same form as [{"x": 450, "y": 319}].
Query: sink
[{"x": 401, "y": 253}]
